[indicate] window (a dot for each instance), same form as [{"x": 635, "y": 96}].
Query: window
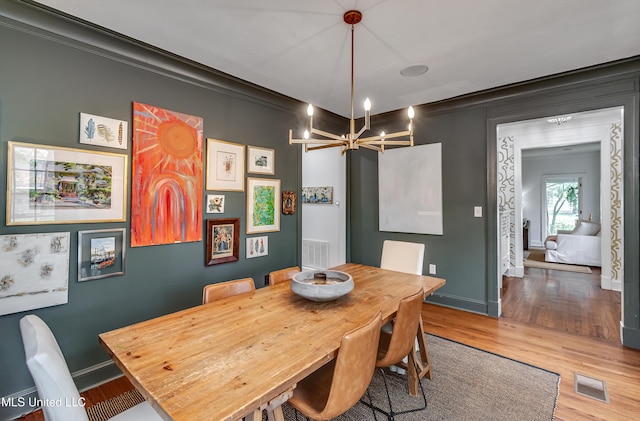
[{"x": 562, "y": 202}]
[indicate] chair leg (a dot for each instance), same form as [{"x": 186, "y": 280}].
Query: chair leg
[{"x": 392, "y": 414}]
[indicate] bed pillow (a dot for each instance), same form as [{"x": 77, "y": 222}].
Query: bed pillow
[{"x": 586, "y": 228}]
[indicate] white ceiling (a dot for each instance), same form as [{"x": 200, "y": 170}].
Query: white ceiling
[{"x": 302, "y": 48}]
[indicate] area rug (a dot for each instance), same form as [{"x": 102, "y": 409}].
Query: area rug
[
  {"x": 104, "y": 410},
  {"x": 468, "y": 384},
  {"x": 536, "y": 260}
]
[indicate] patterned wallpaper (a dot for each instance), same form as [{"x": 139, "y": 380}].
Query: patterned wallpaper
[
  {"x": 617, "y": 233},
  {"x": 506, "y": 189}
]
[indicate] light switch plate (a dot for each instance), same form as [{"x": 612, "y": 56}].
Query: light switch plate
[
  {"x": 432, "y": 269},
  {"x": 477, "y": 211}
]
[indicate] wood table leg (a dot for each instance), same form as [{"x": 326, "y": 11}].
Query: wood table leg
[
  {"x": 424, "y": 362},
  {"x": 274, "y": 407}
]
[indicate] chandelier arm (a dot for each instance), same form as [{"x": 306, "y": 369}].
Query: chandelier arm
[
  {"x": 312, "y": 148},
  {"x": 327, "y": 134},
  {"x": 357, "y": 135},
  {"x": 387, "y": 136},
  {"x": 389, "y": 143},
  {"x": 313, "y": 141}
]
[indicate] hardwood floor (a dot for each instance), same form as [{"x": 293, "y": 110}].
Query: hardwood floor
[
  {"x": 560, "y": 346},
  {"x": 564, "y": 301},
  {"x": 563, "y": 353}
]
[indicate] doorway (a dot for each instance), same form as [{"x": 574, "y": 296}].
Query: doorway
[{"x": 603, "y": 127}]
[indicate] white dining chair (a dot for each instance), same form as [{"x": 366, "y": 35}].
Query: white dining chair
[
  {"x": 401, "y": 256},
  {"x": 53, "y": 379}
]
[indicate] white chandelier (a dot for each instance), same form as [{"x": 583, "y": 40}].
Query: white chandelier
[{"x": 352, "y": 140}]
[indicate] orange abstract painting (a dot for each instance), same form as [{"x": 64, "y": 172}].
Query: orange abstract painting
[{"x": 166, "y": 188}]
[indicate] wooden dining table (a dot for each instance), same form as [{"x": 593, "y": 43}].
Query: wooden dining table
[{"x": 235, "y": 357}]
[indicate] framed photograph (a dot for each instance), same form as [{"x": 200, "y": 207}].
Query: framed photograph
[
  {"x": 257, "y": 246},
  {"x": 34, "y": 271},
  {"x": 215, "y": 203},
  {"x": 288, "y": 202},
  {"x": 223, "y": 241},
  {"x": 260, "y": 160},
  {"x": 103, "y": 131},
  {"x": 55, "y": 185},
  {"x": 317, "y": 195},
  {"x": 263, "y": 205},
  {"x": 101, "y": 253},
  {"x": 225, "y": 166}
]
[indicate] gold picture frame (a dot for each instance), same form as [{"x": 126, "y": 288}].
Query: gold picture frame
[{"x": 56, "y": 185}]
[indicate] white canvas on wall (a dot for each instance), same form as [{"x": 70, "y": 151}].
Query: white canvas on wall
[
  {"x": 410, "y": 189},
  {"x": 34, "y": 271}
]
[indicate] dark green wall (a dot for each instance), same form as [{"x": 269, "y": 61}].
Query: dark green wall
[
  {"x": 466, "y": 253},
  {"x": 46, "y": 80}
]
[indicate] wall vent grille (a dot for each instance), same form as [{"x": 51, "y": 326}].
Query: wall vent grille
[{"x": 315, "y": 254}]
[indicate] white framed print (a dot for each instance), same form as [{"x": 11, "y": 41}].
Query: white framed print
[
  {"x": 260, "y": 160},
  {"x": 215, "y": 203},
  {"x": 225, "y": 166},
  {"x": 103, "y": 131},
  {"x": 257, "y": 246}
]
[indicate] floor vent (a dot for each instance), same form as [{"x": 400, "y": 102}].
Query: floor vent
[
  {"x": 593, "y": 388},
  {"x": 315, "y": 254}
]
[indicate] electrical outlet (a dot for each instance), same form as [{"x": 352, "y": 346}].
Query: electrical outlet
[
  {"x": 432, "y": 269},
  {"x": 477, "y": 211}
]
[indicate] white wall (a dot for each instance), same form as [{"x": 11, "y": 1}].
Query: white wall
[
  {"x": 320, "y": 168},
  {"x": 534, "y": 169}
]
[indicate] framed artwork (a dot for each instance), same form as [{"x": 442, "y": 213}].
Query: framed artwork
[
  {"x": 417, "y": 207},
  {"x": 166, "y": 191},
  {"x": 317, "y": 195},
  {"x": 225, "y": 165},
  {"x": 257, "y": 246},
  {"x": 55, "y": 185},
  {"x": 34, "y": 271},
  {"x": 263, "y": 205},
  {"x": 260, "y": 160},
  {"x": 101, "y": 253},
  {"x": 288, "y": 202},
  {"x": 215, "y": 203},
  {"x": 103, "y": 131},
  {"x": 223, "y": 241}
]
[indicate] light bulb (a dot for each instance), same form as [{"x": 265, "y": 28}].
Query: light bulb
[
  {"x": 411, "y": 112},
  {"x": 310, "y": 110},
  {"x": 382, "y": 134},
  {"x": 367, "y": 104},
  {"x": 306, "y": 134}
]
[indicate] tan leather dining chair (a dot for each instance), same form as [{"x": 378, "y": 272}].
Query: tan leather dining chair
[
  {"x": 214, "y": 292},
  {"x": 399, "y": 344},
  {"x": 338, "y": 385},
  {"x": 282, "y": 275}
]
